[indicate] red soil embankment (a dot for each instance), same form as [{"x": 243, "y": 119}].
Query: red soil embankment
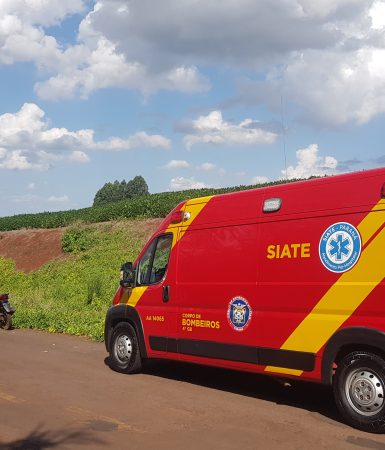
[{"x": 30, "y": 249}]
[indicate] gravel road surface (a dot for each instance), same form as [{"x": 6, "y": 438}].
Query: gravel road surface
[{"x": 57, "y": 392}]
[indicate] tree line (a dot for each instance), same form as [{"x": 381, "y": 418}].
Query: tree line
[{"x": 121, "y": 190}]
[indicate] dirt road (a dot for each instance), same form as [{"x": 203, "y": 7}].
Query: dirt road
[{"x": 57, "y": 392}]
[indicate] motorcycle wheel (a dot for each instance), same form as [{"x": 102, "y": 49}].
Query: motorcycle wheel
[{"x": 6, "y": 321}]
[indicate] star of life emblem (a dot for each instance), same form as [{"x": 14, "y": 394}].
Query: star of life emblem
[{"x": 340, "y": 247}]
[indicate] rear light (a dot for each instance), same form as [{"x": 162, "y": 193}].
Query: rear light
[
  {"x": 117, "y": 296},
  {"x": 180, "y": 216},
  {"x": 176, "y": 217},
  {"x": 4, "y": 297}
]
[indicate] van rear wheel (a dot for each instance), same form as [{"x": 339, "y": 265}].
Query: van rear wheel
[
  {"x": 124, "y": 349},
  {"x": 359, "y": 391}
]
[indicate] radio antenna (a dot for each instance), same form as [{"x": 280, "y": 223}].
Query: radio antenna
[{"x": 283, "y": 134}]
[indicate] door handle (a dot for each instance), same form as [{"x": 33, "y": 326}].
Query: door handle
[{"x": 166, "y": 294}]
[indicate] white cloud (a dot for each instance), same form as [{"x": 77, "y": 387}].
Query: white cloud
[
  {"x": 334, "y": 88},
  {"x": 310, "y": 164},
  {"x": 176, "y": 164},
  {"x": 322, "y": 57},
  {"x": 377, "y": 14},
  {"x": 182, "y": 164},
  {"x": 239, "y": 33},
  {"x": 27, "y": 141},
  {"x": 140, "y": 139},
  {"x": 40, "y": 12},
  {"x": 214, "y": 130},
  {"x": 331, "y": 84},
  {"x": 259, "y": 180},
  {"x": 327, "y": 58},
  {"x": 31, "y": 186},
  {"x": 93, "y": 63},
  {"x": 22, "y": 37},
  {"x": 182, "y": 183},
  {"x": 60, "y": 199},
  {"x": 16, "y": 160},
  {"x": 78, "y": 156},
  {"x": 206, "y": 167},
  {"x": 97, "y": 62},
  {"x": 102, "y": 67}
]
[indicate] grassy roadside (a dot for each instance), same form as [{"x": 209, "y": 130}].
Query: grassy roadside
[{"x": 72, "y": 295}]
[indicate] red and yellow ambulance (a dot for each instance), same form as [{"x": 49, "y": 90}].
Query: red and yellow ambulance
[{"x": 286, "y": 280}]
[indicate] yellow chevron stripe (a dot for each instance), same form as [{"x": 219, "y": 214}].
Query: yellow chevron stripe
[
  {"x": 344, "y": 297},
  {"x": 136, "y": 294},
  {"x": 372, "y": 222},
  {"x": 194, "y": 209}
]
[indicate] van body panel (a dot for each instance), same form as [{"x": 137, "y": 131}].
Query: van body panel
[{"x": 267, "y": 291}]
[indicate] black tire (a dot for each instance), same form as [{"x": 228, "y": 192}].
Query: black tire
[
  {"x": 125, "y": 354},
  {"x": 6, "y": 321},
  {"x": 359, "y": 391}
]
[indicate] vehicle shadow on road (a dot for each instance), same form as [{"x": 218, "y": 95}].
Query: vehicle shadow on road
[
  {"x": 310, "y": 396},
  {"x": 39, "y": 439}
]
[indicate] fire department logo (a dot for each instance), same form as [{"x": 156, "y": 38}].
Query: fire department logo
[
  {"x": 340, "y": 247},
  {"x": 239, "y": 313}
]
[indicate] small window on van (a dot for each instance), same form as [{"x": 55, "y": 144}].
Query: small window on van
[{"x": 153, "y": 265}]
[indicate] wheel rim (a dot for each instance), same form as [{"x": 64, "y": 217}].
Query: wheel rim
[
  {"x": 123, "y": 348},
  {"x": 365, "y": 392}
]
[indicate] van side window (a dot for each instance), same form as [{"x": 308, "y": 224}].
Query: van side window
[{"x": 153, "y": 265}]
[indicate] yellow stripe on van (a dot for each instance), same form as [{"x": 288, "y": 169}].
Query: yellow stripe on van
[
  {"x": 345, "y": 296},
  {"x": 136, "y": 294},
  {"x": 372, "y": 222},
  {"x": 194, "y": 209}
]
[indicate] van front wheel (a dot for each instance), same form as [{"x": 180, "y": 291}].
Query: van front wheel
[
  {"x": 124, "y": 349},
  {"x": 359, "y": 391}
]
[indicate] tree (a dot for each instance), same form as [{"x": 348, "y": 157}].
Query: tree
[
  {"x": 113, "y": 192},
  {"x": 136, "y": 187}
]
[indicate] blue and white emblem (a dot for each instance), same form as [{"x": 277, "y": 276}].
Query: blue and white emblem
[
  {"x": 340, "y": 247},
  {"x": 239, "y": 313}
]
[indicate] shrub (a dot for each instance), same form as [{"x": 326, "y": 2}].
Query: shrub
[{"x": 78, "y": 239}]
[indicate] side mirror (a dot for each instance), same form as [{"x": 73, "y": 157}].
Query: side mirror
[{"x": 127, "y": 275}]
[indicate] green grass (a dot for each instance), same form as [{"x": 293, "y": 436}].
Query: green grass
[{"x": 72, "y": 295}]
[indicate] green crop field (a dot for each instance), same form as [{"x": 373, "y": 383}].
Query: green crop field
[
  {"x": 148, "y": 206},
  {"x": 72, "y": 295}
]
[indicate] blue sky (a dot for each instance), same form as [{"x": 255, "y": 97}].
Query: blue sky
[{"x": 186, "y": 93}]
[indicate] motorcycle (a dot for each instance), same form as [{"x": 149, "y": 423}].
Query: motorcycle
[{"x": 6, "y": 312}]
